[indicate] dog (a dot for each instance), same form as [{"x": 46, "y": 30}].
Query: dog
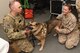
[
  {"x": 39, "y": 31},
  {"x": 52, "y": 24}
]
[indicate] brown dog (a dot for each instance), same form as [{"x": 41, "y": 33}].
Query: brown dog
[
  {"x": 39, "y": 31},
  {"x": 51, "y": 24}
]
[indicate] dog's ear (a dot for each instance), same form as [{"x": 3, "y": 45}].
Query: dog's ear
[{"x": 37, "y": 23}]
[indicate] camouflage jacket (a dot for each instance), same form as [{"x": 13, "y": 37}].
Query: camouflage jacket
[
  {"x": 69, "y": 23},
  {"x": 78, "y": 5},
  {"x": 14, "y": 27}
]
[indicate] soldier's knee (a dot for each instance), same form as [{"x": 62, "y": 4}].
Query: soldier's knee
[
  {"x": 62, "y": 41},
  {"x": 31, "y": 49},
  {"x": 69, "y": 45}
]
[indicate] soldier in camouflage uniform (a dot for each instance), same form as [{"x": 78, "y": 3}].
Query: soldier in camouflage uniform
[
  {"x": 14, "y": 27},
  {"x": 78, "y": 8},
  {"x": 68, "y": 33}
]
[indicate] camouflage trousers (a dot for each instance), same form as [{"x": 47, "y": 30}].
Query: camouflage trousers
[
  {"x": 79, "y": 16},
  {"x": 25, "y": 45},
  {"x": 69, "y": 40}
]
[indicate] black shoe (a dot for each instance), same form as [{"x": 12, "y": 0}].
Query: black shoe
[{"x": 24, "y": 52}]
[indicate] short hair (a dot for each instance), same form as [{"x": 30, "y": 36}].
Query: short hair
[
  {"x": 12, "y": 2},
  {"x": 68, "y": 5}
]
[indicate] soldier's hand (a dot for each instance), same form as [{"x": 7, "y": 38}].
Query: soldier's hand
[
  {"x": 57, "y": 29},
  {"x": 26, "y": 33},
  {"x": 23, "y": 32}
]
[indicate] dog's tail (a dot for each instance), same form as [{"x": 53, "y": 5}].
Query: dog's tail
[{"x": 51, "y": 24}]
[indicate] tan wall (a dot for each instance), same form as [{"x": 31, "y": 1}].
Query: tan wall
[{"x": 3, "y": 8}]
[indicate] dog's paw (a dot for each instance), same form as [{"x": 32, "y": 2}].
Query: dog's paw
[
  {"x": 40, "y": 49},
  {"x": 39, "y": 44},
  {"x": 55, "y": 34}
]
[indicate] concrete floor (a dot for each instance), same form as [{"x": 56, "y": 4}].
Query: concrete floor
[{"x": 52, "y": 45}]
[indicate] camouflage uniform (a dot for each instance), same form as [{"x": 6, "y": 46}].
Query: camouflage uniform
[
  {"x": 78, "y": 8},
  {"x": 69, "y": 33},
  {"x": 14, "y": 27}
]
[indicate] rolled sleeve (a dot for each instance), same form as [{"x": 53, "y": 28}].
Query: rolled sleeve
[
  {"x": 16, "y": 35},
  {"x": 9, "y": 29},
  {"x": 69, "y": 28},
  {"x": 59, "y": 16}
]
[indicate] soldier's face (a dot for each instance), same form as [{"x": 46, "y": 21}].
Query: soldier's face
[
  {"x": 65, "y": 10},
  {"x": 17, "y": 7}
]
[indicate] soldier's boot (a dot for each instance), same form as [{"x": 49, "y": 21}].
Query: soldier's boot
[
  {"x": 69, "y": 45},
  {"x": 24, "y": 52}
]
